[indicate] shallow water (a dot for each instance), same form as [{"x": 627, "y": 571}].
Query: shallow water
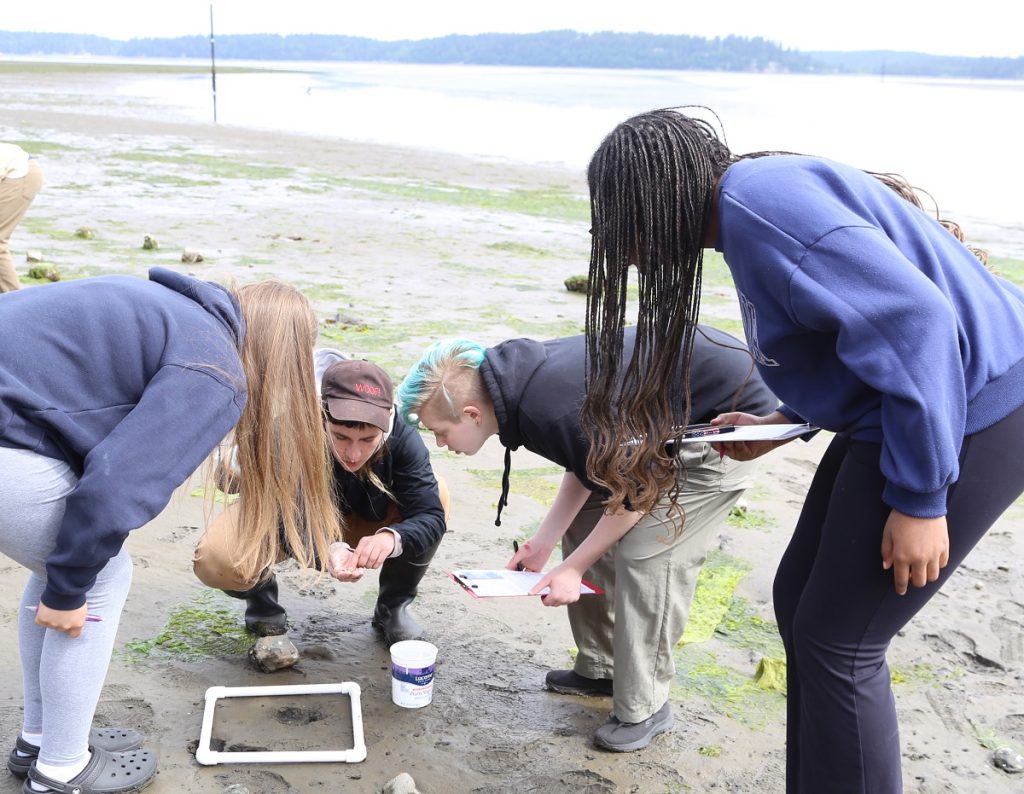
[{"x": 957, "y": 139}]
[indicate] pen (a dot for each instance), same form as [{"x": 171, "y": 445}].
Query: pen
[
  {"x": 515, "y": 550},
  {"x": 708, "y": 431},
  {"x": 88, "y": 618}
]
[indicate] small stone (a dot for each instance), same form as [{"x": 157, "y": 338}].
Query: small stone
[
  {"x": 1008, "y": 759},
  {"x": 401, "y": 784},
  {"x": 48, "y": 272},
  {"x": 191, "y": 255},
  {"x": 33, "y": 256},
  {"x": 85, "y": 232},
  {"x": 577, "y": 283},
  {"x": 150, "y": 243},
  {"x": 273, "y": 653}
]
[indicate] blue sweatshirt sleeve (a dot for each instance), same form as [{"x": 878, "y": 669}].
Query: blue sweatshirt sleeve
[
  {"x": 415, "y": 490},
  {"x": 897, "y": 332},
  {"x": 129, "y": 476}
]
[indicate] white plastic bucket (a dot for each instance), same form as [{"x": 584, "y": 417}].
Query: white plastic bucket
[{"x": 412, "y": 673}]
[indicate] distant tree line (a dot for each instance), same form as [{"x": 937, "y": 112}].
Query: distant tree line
[
  {"x": 919, "y": 64},
  {"x": 560, "y": 48}
]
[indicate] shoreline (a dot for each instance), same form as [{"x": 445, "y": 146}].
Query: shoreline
[
  {"x": 397, "y": 248},
  {"x": 316, "y": 102}
]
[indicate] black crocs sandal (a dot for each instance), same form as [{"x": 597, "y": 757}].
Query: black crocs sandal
[
  {"x": 115, "y": 740},
  {"x": 106, "y": 773}
]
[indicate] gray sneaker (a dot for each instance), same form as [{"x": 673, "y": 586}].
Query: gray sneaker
[
  {"x": 569, "y": 682},
  {"x": 625, "y": 737}
]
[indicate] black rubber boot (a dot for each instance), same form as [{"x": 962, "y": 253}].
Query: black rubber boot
[
  {"x": 264, "y": 617},
  {"x": 399, "y": 581}
]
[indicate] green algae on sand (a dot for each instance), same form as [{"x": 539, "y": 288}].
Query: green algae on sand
[{"x": 208, "y": 626}]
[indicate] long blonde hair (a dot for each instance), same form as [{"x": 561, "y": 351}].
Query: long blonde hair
[{"x": 285, "y": 480}]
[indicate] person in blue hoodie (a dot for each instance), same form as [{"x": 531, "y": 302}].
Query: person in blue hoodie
[
  {"x": 867, "y": 318},
  {"x": 113, "y": 390}
]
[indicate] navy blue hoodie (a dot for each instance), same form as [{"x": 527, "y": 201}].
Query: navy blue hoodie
[
  {"x": 132, "y": 383},
  {"x": 869, "y": 318}
]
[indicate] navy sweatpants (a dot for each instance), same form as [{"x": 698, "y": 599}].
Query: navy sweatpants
[{"x": 838, "y": 610}]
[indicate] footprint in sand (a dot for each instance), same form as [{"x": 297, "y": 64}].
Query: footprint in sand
[
  {"x": 959, "y": 647},
  {"x": 1008, "y": 626},
  {"x": 118, "y": 707}
]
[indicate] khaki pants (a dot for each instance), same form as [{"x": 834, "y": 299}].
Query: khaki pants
[
  {"x": 649, "y": 577},
  {"x": 213, "y": 560},
  {"x": 15, "y": 196}
]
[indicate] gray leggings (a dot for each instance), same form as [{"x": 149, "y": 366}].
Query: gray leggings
[{"x": 62, "y": 677}]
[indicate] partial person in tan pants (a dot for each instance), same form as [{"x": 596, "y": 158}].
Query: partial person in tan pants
[
  {"x": 20, "y": 180},
  {"x": 649, "y": 579},
  {"x": 395, "y": 508}
]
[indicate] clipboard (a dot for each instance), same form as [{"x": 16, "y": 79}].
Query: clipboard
[
  {"x": 706, "y": 433},
  {"x": 727, "y": 433},
  {"x": 501, "y": 582}
]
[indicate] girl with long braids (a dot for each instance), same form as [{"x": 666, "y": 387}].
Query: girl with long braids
[
  {"x": 113, "y": 390},
  {"x": 867, "y": 318}
]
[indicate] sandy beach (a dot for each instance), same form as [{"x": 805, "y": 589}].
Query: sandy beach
[{"x": 396, "y": 248}]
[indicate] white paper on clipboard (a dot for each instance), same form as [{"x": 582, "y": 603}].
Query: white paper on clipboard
[{"x": 503, "y": 582}]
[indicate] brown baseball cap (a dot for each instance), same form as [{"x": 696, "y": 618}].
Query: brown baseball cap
[{"x": 358, "y": 391}]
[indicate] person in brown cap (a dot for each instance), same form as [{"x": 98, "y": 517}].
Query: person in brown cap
[{"x": 395, "y": 507}]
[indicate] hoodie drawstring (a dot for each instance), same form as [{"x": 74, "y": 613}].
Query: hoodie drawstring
[{"x": 503, "y": 499}]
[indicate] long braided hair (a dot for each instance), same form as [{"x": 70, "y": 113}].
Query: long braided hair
[{"x": 652, "y": 183}]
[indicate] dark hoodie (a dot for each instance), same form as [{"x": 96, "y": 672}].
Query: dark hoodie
[
  {"x": 132, "y": 383},
  {"x": 537, "y": 389}
]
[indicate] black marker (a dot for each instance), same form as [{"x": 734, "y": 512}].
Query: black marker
[{"x": 515, "y": 550}]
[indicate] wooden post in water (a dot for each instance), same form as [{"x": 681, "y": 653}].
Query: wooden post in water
[{"x": 213, "y": 67}]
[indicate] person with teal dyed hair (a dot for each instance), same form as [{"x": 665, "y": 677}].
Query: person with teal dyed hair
[
  {"x": 444, "y": 364},
  {"x": 529, "y": 394}
]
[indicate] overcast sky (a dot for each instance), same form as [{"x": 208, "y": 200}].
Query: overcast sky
[{"x": 941, "y": 27}]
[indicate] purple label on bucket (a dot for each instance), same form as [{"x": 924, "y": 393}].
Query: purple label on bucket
[{"x": 417, "y": 676}]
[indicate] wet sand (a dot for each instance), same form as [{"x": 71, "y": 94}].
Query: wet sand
[{"x": 397, "y": 248}]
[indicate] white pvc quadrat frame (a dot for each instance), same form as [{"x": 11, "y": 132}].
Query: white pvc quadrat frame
[{"x": 208, "y": 757}]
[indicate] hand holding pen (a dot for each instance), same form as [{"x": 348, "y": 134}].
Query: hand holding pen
[
  {"x": 532, "y": 555},
  {"x": 70, "y": 621},
  {"x": 747, "y": 450},
  {"x": 88, "y": 618}
]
